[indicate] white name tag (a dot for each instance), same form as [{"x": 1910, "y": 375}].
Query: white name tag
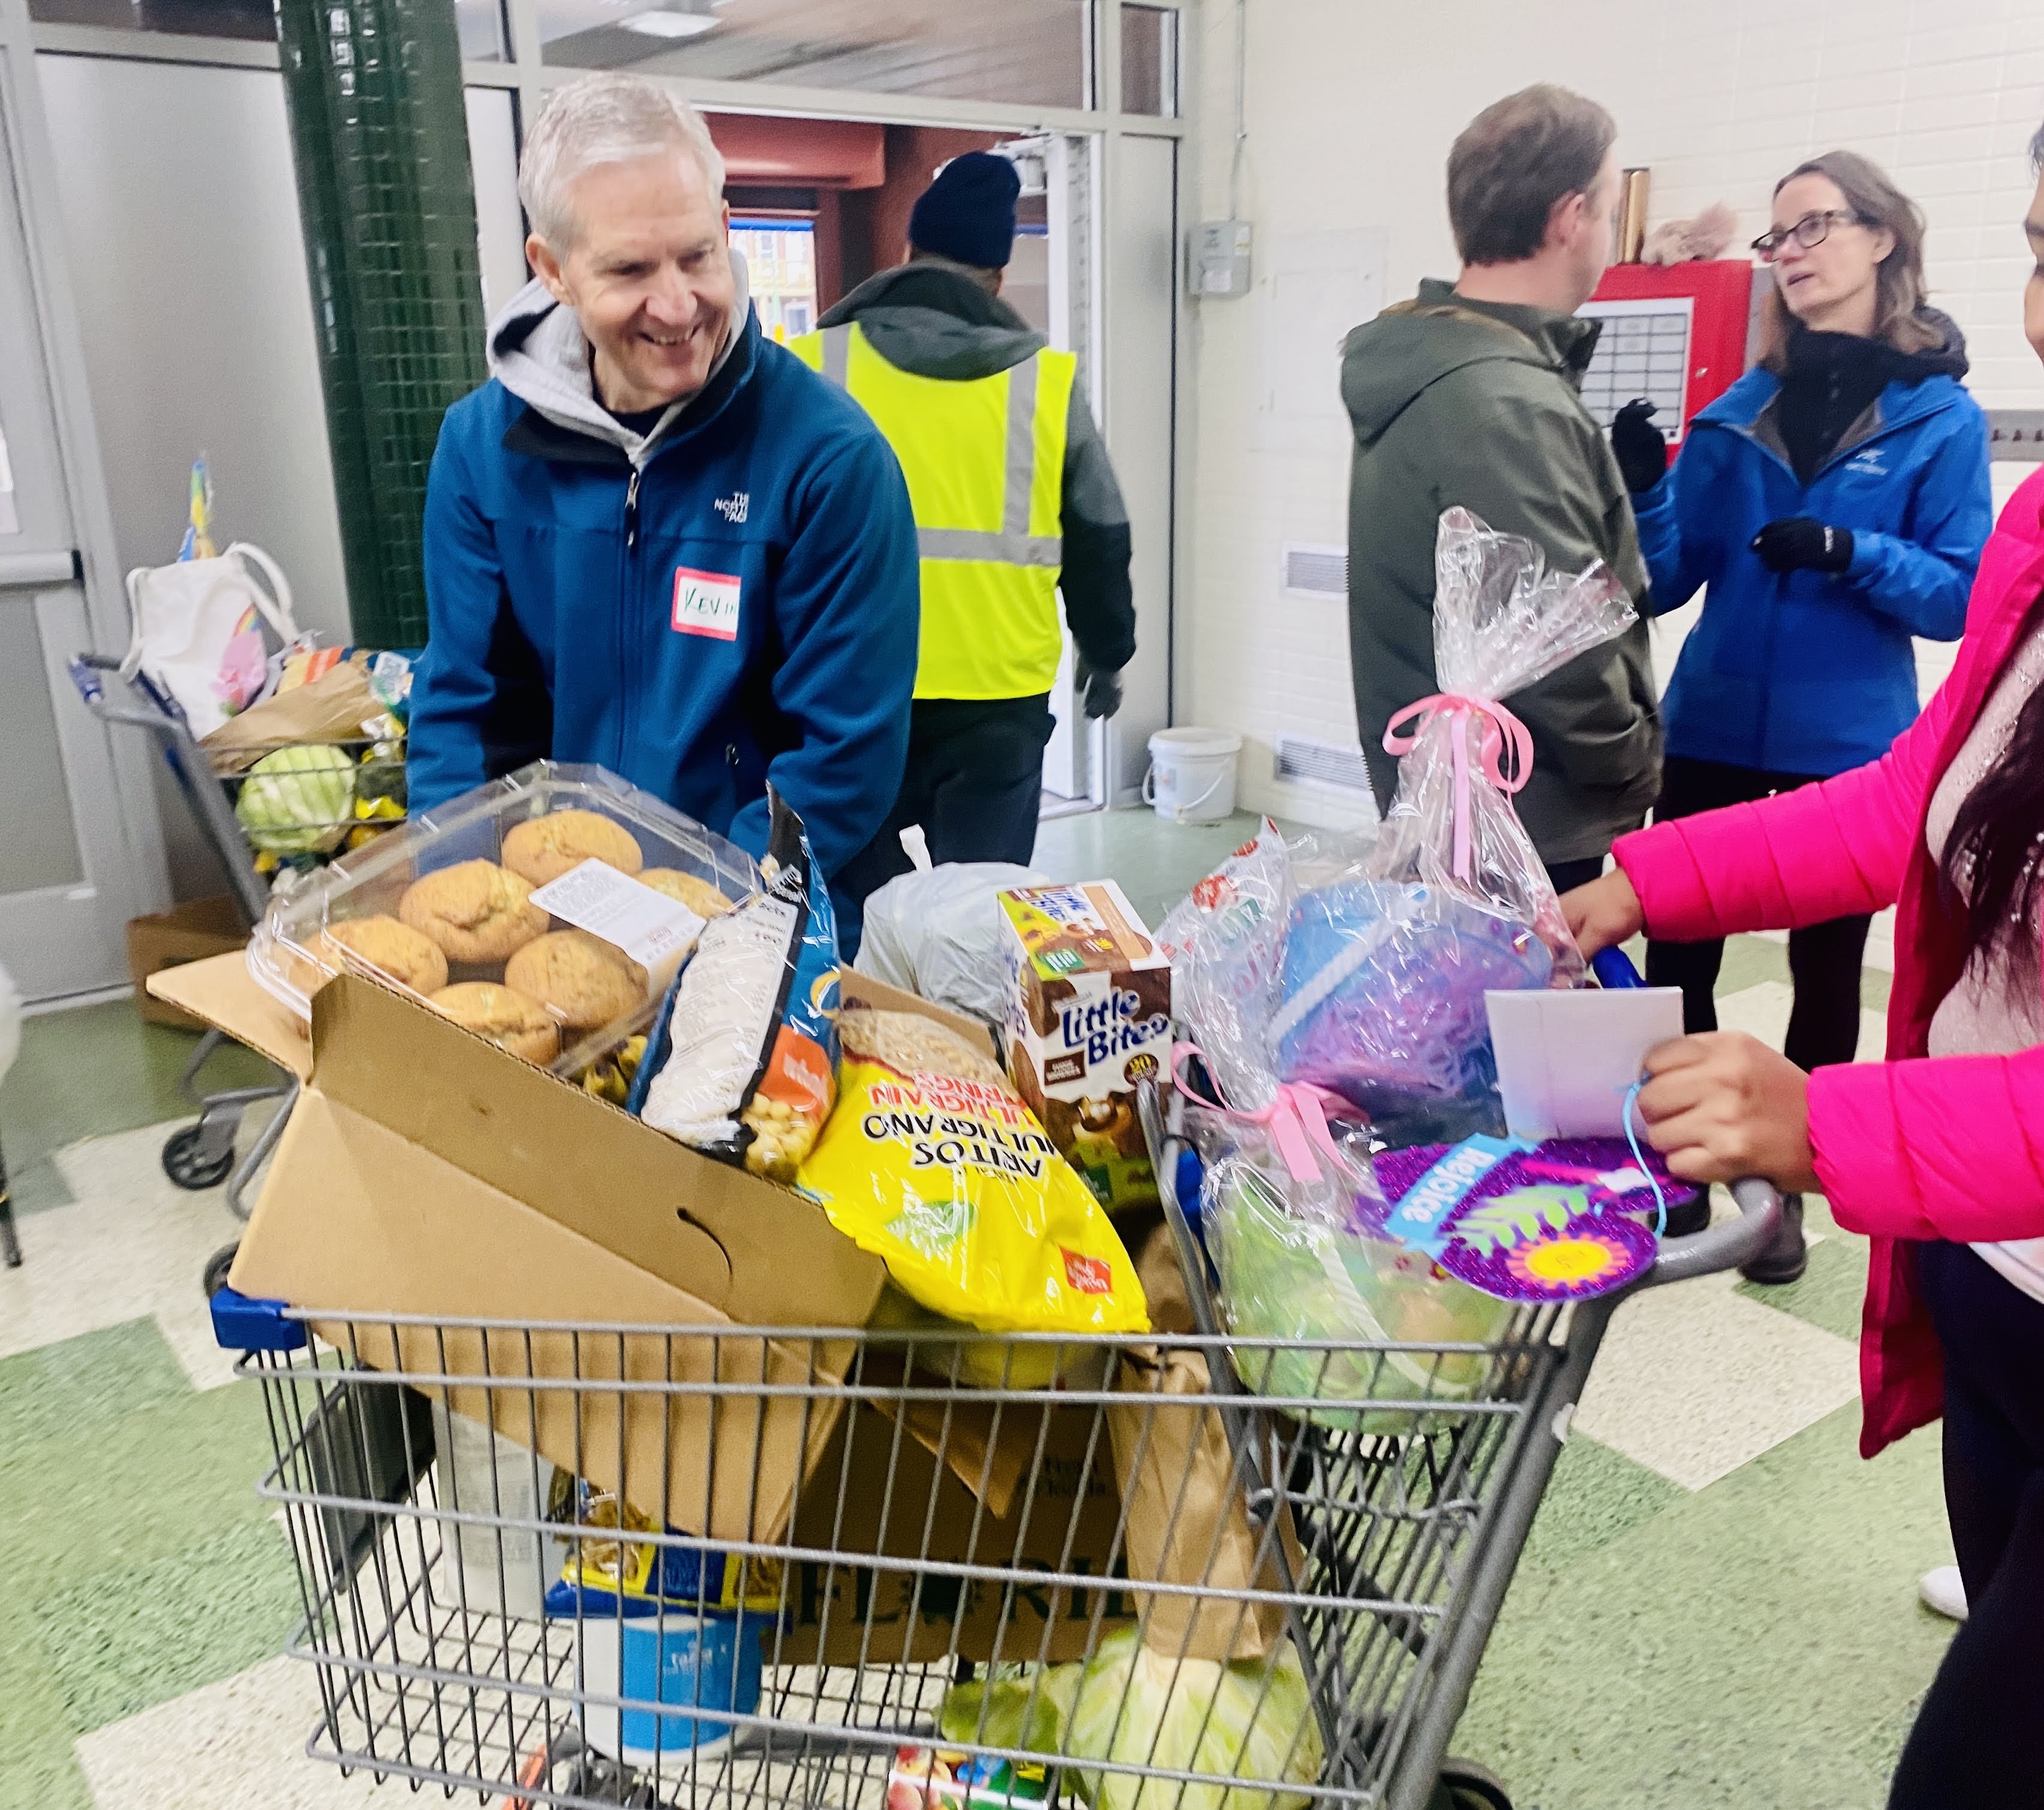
[
  {"x": 654, "y": 930},
  {"x": 705, "y": 603}
]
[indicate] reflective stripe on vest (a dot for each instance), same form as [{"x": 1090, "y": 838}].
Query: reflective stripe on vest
[{"x": 990, "y": 600}]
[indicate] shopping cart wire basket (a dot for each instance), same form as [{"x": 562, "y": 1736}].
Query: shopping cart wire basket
[{"x": 584, "y": 1565}]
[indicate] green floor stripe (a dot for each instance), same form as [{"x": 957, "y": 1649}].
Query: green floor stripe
[
  {"x": 1596, "y": 1495},
  {"x": 1748, "y": 1646},
  {"x": 72, "y": 1390},
  {"x": 1831, "y": 1291}
]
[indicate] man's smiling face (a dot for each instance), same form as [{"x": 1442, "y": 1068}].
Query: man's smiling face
[{"x": 649, "y": 277}]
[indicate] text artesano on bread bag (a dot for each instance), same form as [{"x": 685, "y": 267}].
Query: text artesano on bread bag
[{"x": 1088, "y": 1018}]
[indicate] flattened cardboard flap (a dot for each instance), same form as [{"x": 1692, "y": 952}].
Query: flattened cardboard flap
[
  {"x": 585, "y": 1165},
  {"x": 220, "y": 991}
]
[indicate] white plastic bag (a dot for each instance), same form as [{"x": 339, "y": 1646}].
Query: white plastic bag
[
  {"x": 185, "y": 619},
  {"x": 939, "y": 933},
  {"x": 1385, "y": 968}
]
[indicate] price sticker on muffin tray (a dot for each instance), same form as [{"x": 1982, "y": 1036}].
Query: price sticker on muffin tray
[{"x": 654, "y": 930}]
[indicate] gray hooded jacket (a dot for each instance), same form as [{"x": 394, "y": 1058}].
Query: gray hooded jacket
[{"x": 931, "y": 320}]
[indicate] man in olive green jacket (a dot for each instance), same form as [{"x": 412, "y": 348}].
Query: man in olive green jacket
[{"x": 1469, "y": 394}]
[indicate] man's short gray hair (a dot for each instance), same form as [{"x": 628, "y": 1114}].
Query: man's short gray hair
[{"x": 604, "y": 119}]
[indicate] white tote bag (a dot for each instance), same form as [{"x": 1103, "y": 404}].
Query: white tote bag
[{"x": 185, "y": 615}]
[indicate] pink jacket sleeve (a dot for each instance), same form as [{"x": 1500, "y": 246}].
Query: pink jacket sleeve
[
  {"x": 1943, "y": 1146},
  {"x": 1835, "y": 850}
]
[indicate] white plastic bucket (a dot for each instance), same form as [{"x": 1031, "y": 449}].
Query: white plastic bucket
[{"x": 1191, "y": 778}]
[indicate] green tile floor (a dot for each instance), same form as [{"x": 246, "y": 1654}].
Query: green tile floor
[{"x": 1753, "y": 1642}]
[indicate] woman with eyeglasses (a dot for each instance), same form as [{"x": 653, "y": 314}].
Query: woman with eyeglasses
[
  {"x": 1832, "y": 504},
  {"x": 1936, "y": 1155}
]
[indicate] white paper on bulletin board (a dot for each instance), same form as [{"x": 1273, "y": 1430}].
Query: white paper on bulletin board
[
  {"x": 1319, "y": 285},
  {"x": 1644, "y": 351}
]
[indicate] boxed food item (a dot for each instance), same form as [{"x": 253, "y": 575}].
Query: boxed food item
[
  {"x": 187, "y": 933},
  {"x": 1088, "y": 1018},
  {"x": 544, "y": 912}
]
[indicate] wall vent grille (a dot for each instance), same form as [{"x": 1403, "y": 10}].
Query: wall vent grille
[
  {"x": 1322, "y": 764},
  {"x": 1315, "y": 571}
]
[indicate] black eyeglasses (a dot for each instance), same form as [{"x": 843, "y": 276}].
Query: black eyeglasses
[{"x": 1812, "y": 229}]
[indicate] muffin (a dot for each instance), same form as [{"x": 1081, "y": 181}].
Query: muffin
[
  {"x": 475, "y": 911},
  {"x": 699, "y": 896},
  {"x": 581, "y": 979},
  {"x": 506, "y": 1017},
  {"x": 542, "y": 849},
  {"x": 409, "y": 957}
]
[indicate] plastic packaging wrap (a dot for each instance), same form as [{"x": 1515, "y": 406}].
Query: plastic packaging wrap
[
  {"x": 436, "y": 903},
  {"x": 1385, "y": 969},
  {"x": 939, "y": 934},
  {"x": 1226, "y": 939},
  {"x": 1289, "y": 1276},
  {"x": 750, "y": 1072}
]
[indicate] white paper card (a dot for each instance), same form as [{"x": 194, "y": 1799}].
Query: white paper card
[
  {"x": 1566, "y": 1057},
  {"x": 654, "y": 930}
]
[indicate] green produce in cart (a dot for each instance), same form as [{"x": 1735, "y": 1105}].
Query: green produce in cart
[{"x": 297, "y": 801}]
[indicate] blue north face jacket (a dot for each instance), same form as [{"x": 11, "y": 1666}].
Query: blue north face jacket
[
  {"x": 730, "y": 598},
  {"x": 1809, "y": 672}
]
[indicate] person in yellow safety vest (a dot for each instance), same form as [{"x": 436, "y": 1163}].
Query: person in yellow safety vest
[{"x": 1015, "y": 502}]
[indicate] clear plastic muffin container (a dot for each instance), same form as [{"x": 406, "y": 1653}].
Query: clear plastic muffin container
[{"x": 443, "y": 909}]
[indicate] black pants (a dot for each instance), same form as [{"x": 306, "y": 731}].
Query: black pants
[
  {"x": 974, "y": 782},
  {"x": 1975, "y": 1738},
  {"x": 1823, "y": 958}
]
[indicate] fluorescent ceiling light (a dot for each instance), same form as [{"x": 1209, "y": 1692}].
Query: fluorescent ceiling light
[{"x": 665, "y": 24}]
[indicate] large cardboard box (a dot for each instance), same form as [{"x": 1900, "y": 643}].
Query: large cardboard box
[
  {"x": 426, "y": 1173},
  {"x": 188, "y": 933}
]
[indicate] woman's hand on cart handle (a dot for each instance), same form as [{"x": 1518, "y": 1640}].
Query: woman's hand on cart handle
[
  {"x": 1606, "y": 912},
  {"x": 1721, "y": 1106}
]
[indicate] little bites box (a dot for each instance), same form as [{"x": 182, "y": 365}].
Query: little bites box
[{"x": 1088, "y": 1017}]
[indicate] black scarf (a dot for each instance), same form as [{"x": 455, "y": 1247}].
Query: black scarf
[{"x": 1832, "y": 378}]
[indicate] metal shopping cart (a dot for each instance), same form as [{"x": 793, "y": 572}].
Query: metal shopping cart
[
  {"x": 898, "y": 1557},
  {"x": 202, "y": 1154}
]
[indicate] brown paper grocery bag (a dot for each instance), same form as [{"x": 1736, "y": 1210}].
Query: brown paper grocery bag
[
  {"x": 1187, "y": 1523},
  {"x": 333, "y": 708}
]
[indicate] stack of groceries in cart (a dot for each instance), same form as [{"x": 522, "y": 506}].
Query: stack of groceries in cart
[{"x": 576, "y": 1062}]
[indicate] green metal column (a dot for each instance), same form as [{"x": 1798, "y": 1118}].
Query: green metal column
[{"x": 380, "y": 139}]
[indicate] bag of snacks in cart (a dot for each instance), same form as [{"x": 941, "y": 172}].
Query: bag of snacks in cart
[{"x": 1386, "y": 967}]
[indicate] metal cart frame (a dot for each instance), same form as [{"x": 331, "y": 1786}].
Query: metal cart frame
[
  {"x": 200, "y": 1154},
  {"x": 1386, "y": 1527}
]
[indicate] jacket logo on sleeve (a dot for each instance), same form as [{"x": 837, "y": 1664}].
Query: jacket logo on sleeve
[
  {"x": 705, "y": 603},
  {"x": 733, "y": 507}
]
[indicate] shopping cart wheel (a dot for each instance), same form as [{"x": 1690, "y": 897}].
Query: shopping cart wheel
[
  {"x": 212, "y": 1279},
  {"x": 1469, "y": 1786},
  {"x": 189, "y": 1163}
]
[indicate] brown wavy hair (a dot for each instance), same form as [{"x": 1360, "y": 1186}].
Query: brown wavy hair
[{"x": 1900, "y": 290}]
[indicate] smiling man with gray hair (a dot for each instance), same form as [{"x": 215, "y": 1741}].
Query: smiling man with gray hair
[{"x": 655, "y": 540}]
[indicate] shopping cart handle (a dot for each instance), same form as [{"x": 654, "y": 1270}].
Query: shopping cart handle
[
  {"x": 242, "y": 1324},
  {"x": 85, "y": 675},
  {"x": 1726, "y": 1246}
]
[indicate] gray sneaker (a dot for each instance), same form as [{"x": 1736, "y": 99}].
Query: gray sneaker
[{"x": 1787, "y": 1256}]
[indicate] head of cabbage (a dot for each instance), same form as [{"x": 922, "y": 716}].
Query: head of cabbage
[
  {"x": 1251, "y": 1719},
  {"x": 298, "y": 800}
]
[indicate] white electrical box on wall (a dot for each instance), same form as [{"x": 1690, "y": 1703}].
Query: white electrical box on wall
[{"x": 1217, "y": 258}]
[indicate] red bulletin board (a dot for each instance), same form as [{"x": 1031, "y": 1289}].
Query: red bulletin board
[{"x": 1670, "y": 331}]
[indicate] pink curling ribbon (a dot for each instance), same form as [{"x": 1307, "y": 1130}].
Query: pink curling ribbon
[
  {"x": 1297, "y": 1120},
  {"x": 1500, "y": 728}
]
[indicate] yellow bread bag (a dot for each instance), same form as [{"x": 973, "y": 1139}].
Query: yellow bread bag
[{"x": 932, "y": 1162}]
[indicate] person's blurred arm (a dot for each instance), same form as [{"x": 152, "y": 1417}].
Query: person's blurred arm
[{"x": 1100, "y": 607}]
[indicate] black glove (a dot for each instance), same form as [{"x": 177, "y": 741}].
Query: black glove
[
  {"x": 1102, "y": 693},
  {"x": 1641, "y": 448},
  {"x": 1801, "y": 543}
]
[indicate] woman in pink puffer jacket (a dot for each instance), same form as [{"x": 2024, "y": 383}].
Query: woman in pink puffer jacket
[{"x": 1937, "y": 1154}]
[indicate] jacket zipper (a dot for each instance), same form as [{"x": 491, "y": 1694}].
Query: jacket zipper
[{"x": 628, "y": 614}]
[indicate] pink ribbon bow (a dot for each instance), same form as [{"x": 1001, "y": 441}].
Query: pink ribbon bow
[
  {"x": 1297, "y": 1119},
  {"x": 1500, "y": 729}
]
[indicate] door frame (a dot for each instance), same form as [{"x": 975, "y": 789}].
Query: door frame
[{"x": 75, "y": 589}]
